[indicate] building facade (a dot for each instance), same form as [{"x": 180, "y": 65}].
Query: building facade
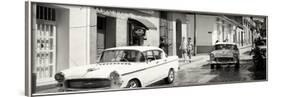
[
  {"x": 69, "y": 36},
  {"x": 215, "y": 28}
]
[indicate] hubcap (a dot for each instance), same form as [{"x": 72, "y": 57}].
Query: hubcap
[
  {"x": 171, "y": 76},
  {"x": 133, "y": 84}
]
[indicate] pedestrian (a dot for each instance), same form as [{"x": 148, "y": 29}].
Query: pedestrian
[
  {"x": 183, "y": 48},
  {"x": 189, "y": 49},
  {"x": 164, "y": 44}
]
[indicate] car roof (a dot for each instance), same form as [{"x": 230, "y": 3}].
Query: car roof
[
  {"x": 225, "y": 43},
  {"x": 138, "y": 48}
]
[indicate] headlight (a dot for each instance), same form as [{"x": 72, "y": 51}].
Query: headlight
[
  {"x": 212, "y": 56},
  {"x": 115, "y": 79},
  {"x": 59, "y": 77}
]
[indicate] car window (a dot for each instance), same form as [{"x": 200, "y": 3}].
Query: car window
[
  {"x": 157, "y": 54},
  {"x": 149, "y": 56},
  {"x": 225, "y": 46},
  {"x": 122, "y": 56}
]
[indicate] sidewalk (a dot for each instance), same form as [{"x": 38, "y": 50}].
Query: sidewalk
[
  {"x": 245, "y": 52},
  {"x": 198, "y": 57},
  {"x": 196, "y": 61}
]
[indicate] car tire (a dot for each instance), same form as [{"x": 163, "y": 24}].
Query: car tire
[
  {"x": 218, "y": 66},
  {"x": 237, "y": 65},
  {"x": 133, "y": 84},
  {"x": 212, "y": 66},
  {"x": 171, "y": 76}
]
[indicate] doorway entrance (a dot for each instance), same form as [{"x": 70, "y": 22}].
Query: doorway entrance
[{"x": 106, "y": 33}]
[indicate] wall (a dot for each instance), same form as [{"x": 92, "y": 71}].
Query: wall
[
  {"x": 190, "y": 28},
  {"x": 93, "y": 35},
  {"x": 122, "y": 31},
  {"x": 173, "y": 17},
  {"x": 78, "y": 35},
  {"x": 205, "y": 24},
  {"x": 62, "y": 39}
]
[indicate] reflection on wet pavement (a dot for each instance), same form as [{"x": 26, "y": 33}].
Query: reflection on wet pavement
[{"x": 204, "y": 75}]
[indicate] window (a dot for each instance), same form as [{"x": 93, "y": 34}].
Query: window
[
  {"x": 157, "y": 54},
  {"x": 45, "y": 13},
  {"x": 225, "y": 46},
  {"x": 149, "y": 56},
  {"x": 45, "y": 43},
  {"x": 153, "y": 55},
  {"x": 122, "y": 56}
]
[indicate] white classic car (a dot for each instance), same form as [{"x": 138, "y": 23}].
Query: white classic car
[
  {"x": 224, "y": 53},
  {"x": 121, "y": 67}
]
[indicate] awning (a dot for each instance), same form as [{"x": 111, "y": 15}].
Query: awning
[{"x": 144, "y": 22}]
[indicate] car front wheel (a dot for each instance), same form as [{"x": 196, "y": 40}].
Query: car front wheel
[
  {"x": 237, "y": 65},
  {"x": 212, "y": 66},
  {"x": 171, "y": 76},
  {"x": 133, "y": 84}
]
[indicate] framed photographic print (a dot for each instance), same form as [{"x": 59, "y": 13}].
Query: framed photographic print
[{"x": 88, "y": 48}]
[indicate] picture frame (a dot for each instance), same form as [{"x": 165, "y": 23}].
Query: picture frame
[{"x": 64, "y": 39}]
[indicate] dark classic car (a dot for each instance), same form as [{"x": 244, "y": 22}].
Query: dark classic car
[
  {"x": 224, "y": 53},
  {"x": 260, "y": 53}
]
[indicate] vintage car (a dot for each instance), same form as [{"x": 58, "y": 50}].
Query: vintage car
[
  {"x": 224, "y": 53},
  {"x": 121, "y": 67},
  {"x": 260, "y": 53}
]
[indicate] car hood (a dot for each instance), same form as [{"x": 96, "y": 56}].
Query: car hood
[
  {"x": 223, "y": 53},
  {"x": 100, "y": 70}
]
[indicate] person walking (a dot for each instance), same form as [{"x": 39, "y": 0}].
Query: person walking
[
  {"x": 183, "y": 48},
  {"x": 164, "y": 45},
  {"x": 189, "y": 49}
]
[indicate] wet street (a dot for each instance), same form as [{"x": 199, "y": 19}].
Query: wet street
[{"x": 198, "y": 72}]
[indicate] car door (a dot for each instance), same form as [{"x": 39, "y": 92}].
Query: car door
[
  {"x": 150, "y": 71},
  {"x": 161, "y": 66}
]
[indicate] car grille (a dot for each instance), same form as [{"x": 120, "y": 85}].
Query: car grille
[
  {"x": 224, "y": 59},
  {"x": 87, "y": 83}
]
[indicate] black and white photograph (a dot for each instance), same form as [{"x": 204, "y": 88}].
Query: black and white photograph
[{"x": 77, "y": 48}]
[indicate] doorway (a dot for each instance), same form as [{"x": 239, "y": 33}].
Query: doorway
[{"x": 106, "y": 33}]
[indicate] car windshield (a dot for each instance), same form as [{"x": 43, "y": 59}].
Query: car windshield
[
  {"x": 122, "y": 56},
  {"x": 225, "y": 46}
]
